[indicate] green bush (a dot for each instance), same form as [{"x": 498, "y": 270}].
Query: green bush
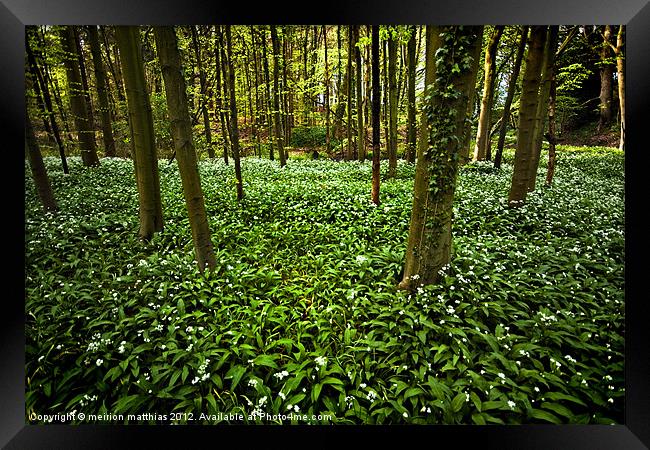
[{"x": 308, "y": 137}]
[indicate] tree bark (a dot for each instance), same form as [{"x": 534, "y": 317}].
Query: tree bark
[
  {"x": 430, "y": 240},
  {"x": 100, "y": 78},
  {"x": 83, "y": 123},
  {"x": 350, "y": 153},
  {"x": 267, "y": 82},
  {"x": 204, "y": 91},
  {"x": 176, "y": 94},
  {"x": 476, "y": 58},
  {"x": 279, "y": 134},
  {"x": 550, "y": 168},
  {"x": 542, "y": 105},
  {"x": 527, "y": 113},
  {"x": 218, "y": 101},
  {"x": 39, "y": 173},
  {"x": 512, "y": 85},
  {"x": 143, "y": 140},
  {"x": 392, "y": 105},
  {"x": 234, "y": 127},
  {"x": 376, "y": 95},
  {"x": 606, "y": 75},
  {"x": 361, "y": 139},
  {"x": 327, "y": 96},
  {"x": 620, "y": 66},
  {"x": 412, "y": 124},
  {"x": 483, "y": 132}
]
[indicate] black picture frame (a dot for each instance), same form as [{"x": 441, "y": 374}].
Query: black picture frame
[{"x": 15, "y": 14}]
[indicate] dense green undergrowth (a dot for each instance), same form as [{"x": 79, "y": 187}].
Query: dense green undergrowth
[{"x": 302, "y": 316}]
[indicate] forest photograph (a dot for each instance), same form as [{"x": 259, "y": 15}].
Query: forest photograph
[{"x": 324, "y": 224}]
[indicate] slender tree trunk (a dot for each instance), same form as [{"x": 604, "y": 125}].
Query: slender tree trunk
[
  {"x": 512, "y": 85},
  {"x": 41, "y": 88},
  {"x": 276, "y": 97},
  {"x": 327, "y": 96},
  {"x": 83, "y": 123},
  {"x": 476, "y": 57},
  {"x": 550, "y": 168},
  {"x": 39, "y": 173},
  {"x": 100, "y": 78},
  {"x": 361, "y": 143},
  {"x": 385, "y": 110},
  {"x": 175, "y": 92},
  {"x": 483, "y": 132},
  {"x": 143, "y": 140},
  {"x": 117, "y": 79},
  {"x": 204, "y": 91},
  {"x": 267, "y": 82},
  {"x": 620, "y": 66},
  {"x": 527, "y": 111},
  {"x": 258, "y": 105},
  {"x": 219, "y": 97},
  {"x": 542, "y": 105},
  {"x": 376, "y": 96},
  {"x": 606, "y": 75},
  {"x": 392, "y": 105},
  {"x": 412, "y": 123},
  {"x": 430, "y": 240},
  {"x": 350, "y": 154},
  {"x": 84, "y": 76},
  {"x": 233, "y": 115}
]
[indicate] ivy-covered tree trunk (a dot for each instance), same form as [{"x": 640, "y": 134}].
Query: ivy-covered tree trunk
[
  {"x": 350, "y": 152},
  {"x": 483, "y": 132},
  {"x": 376, "y": 95},
  {"x": 431, "y": 44},
  {"x": 102, "y": 95},
  {"x": 527, "y": 113},
  {"x": 78, "y": 106},
  {"x": 39, "y": 173},
  {"x": 606, "y": 75},
  {"x": 429, "y": 243},
  {"x": 512, "y": 85},
  {"x": 234, "y": 126},
  {"x": 141, "y": 121},
  {"x": 361, "y": 138},
  {"x": 542, "y": 105},
  {"x": 412, "y": 125},
  {"x": 176, "y": 94},
  {"x": 392, "y": 105},
  {"x": 279, "y": 133}
]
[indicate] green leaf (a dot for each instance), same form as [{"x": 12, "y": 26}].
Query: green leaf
[
  {"x": 458, "y": 402},
  {"x": 235, "y": 373},
  {"x": 543, "y": 415}
]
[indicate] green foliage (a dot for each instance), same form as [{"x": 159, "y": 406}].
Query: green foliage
[
  {"x": 301, "y": 314},
  {"x": 308, "y": 137}
]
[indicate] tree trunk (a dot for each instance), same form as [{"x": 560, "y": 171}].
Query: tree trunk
[
  {"x": 550, "y": 168},
  {"x": 430, "y": 241},
  {"x": 392, "y": 105},
  {"x": 117, "y": 79},
  {"x": 234, "y": 127},
  {"x": 350, "y": 153},
  {"x": 620, "y": 66},
  {"x": 376, "y": 96},
  {"x": 542, "y": 105},
  {"x": 39, "y": 173},
  {"x": 84, "y": 76},
  {"x": 512, "y": 85},
  {"x": 276, "y": 97},
  {"x": 483, "y": 132},
  {"x": 204, "y": 91},
  {"x": 143, "y": 140},
  {"x": 412, "y": 124},
  {"x": 327, "y": 96},
  {"x": 83, "y": 123},
  {"x": 476, "y": 58},
  {"x": 361, "y": 143},
  {"x": 606, "y": 75},
  {"x": 267, "y": 82},
  {"x": 527, "y": 112},
  {"x": 100, "y": 78},
  {"x": 175, "y": 91},
  {"x": 42, "y": 90},
  {"x": 218, "y": 101}
]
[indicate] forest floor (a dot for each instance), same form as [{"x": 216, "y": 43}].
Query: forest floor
[{"x": 301, "y": 315}]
